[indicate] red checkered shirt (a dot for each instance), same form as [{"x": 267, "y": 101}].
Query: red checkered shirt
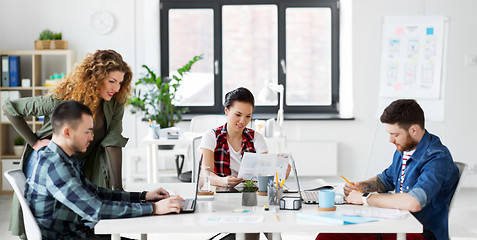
[{"x": 222, "y": 153}]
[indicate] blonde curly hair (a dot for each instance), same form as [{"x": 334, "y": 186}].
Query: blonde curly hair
[{"x": 85, "y": 82}]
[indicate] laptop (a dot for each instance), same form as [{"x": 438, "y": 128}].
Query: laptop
[
  {"x": 188, "y": 205},
  {"x": 311, "y": 197}
]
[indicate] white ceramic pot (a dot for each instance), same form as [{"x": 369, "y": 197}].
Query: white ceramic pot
[{"x": 18, "y": 150}]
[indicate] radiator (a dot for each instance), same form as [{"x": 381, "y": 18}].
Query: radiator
[{"x": 314, "y": 158}]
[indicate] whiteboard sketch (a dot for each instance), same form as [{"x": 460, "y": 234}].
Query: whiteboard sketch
[{"x": 412, "y": 57}]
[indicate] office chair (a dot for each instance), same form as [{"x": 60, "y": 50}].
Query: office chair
[
  {"x": 462, "y": 171},
  {"x": 196, "y": 154},
  {"x": 17, "y": 179},
  {"x": 198, "y": 125}
]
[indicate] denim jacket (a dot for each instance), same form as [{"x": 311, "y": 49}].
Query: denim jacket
[{"x": 431, "y": 177}]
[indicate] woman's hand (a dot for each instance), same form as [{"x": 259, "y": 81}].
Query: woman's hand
[
  {"x": 232, "y": 181},
  {"x": 168, "y": 205},
  {"x": 41, "y": 143},
  {"x": 288, "y": 171}
]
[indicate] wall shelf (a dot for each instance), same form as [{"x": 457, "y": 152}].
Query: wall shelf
[{"x": 7, "y": 132}]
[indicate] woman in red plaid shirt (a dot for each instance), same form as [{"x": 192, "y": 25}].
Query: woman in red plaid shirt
[{"x": 224, "y": 146}]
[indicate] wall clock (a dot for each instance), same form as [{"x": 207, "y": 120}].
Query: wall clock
[{"x": 102, "y": 22}]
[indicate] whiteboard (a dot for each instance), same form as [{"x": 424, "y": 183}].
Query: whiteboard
[{"x": 412, "y": 62}]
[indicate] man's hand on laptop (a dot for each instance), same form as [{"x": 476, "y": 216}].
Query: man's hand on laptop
[
  {"x": 168, "y": 205},
  {"x": 157, "y": 195}
]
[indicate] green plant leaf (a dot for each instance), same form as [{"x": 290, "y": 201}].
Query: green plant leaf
[
  {"x": 249, "y": 186},
  {"x": 156, "y": 102}
]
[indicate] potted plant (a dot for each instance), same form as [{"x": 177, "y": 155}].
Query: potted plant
[
  {"x": 249, "y": 195},
  {"x": 154, "y": 96},
  {"x": 50, "y": 40},
  {"x": 18, "y": 145}
]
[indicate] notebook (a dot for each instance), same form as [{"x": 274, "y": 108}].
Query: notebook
[{"x": 311, "y": 197}]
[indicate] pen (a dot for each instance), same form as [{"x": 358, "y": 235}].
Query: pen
[
  {"x": 350, "y": 183},
  {"x": 281, "y": 184},
  {"x": 153, "y": 128},
  {"x": 278, "y": 192}
]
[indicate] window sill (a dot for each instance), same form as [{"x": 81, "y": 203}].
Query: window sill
[{"x": 287, "y": 116}]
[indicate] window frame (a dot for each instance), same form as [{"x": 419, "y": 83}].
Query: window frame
[{"x": 282, "y": 5}]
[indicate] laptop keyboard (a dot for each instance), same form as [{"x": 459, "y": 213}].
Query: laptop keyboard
[
  {"x": 187, "y": 204},
  {"x": 311, "y": 196}
]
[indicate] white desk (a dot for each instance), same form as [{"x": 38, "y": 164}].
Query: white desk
[
  {"x": 153, "y": 153},
  {"x": 225, "y": 203}
]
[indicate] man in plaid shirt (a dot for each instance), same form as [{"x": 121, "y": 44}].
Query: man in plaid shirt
[{"x": 63, "y": 200}]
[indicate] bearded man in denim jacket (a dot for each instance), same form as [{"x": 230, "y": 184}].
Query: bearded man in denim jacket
[{"x": 422, "y": 175}]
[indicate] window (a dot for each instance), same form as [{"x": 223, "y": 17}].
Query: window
[
  {"x": 249, "y": 46},
  {"x": 250, "y": 43},
  {"x": 190, "y": 31}
]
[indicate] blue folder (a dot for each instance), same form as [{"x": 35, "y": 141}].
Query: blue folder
[{"x": 14, "y": 65}]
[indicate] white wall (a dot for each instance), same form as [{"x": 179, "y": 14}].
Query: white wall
[
  {"x": 21, "y": 22},
  {"x": 360, "y": 140}
]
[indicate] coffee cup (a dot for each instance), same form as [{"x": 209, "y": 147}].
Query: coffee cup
[
  {"x": 326, "y": 198},
  {"x": 263, "y": 183}
]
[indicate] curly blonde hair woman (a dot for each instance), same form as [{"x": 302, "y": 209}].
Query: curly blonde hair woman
[
  {"x": 102, "y": 81},
  {"x": 82, "y": 84}
]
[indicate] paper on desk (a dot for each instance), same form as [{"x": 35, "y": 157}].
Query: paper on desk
[
  {"x": 233, "y": 219},
  {"x": 315, "y": 184},
  {"x": 334, "y": 218},
  {"x": 373, "y": 212},
  {"x": 255, "y": 164}
]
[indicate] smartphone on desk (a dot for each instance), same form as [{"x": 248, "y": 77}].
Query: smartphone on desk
[{"x": 227, "y": 190}]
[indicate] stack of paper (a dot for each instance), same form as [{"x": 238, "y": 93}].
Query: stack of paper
[
  {"x": 254, "y": 164},
  {"x": 315, "y": 185}
]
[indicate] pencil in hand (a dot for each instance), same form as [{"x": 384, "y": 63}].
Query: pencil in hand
[{"x": 350, "y": 183}]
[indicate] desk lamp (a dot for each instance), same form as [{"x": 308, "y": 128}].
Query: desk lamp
[{"x": 268, "y": 94}]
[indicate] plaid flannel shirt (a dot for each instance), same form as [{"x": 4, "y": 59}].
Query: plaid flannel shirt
[
  {"x": 62, "y": 199},
  {"x": 222, "y": 153}
]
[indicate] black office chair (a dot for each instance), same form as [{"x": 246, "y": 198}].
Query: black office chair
[
  {"x": 187, "y": 176},
  {"x": 183, "y": 176}
]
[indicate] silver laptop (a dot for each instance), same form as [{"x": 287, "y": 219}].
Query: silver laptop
[
  {"x": 188, "y": 205},
  {"x": 311, "y": 197}
]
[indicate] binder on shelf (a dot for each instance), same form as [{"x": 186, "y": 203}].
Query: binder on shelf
[
  {"x": 5, "y": 72},
  {"x": 14, "y": 66}
]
